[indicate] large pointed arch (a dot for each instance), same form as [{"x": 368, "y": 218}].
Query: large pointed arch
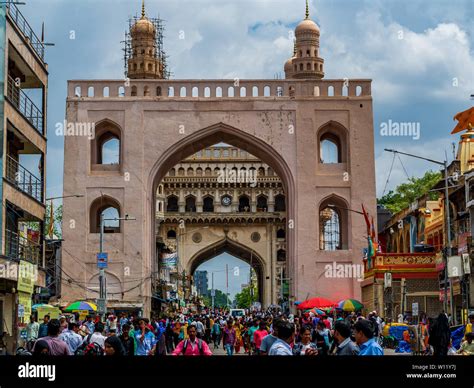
[
  {"x": 206, "y": 137},
  {"x": 236, "y": 249}
]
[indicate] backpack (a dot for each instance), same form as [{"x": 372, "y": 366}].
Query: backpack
[
  {"x": 185, "y": 346},
  {"x": 89, "y": 349}
]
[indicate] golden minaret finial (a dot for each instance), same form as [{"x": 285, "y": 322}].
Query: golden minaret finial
[
  {"x": 143, "y": 9},
  {"x": 307, "y": 10}
]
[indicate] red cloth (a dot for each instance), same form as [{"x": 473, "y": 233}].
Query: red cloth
[{"x": 258, "y": 336}]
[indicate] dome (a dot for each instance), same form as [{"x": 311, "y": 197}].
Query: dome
[
  {"x": 289, "y": 65},
  {"x": 143, "y": 26},
  {"x": 307, "y": 25}
]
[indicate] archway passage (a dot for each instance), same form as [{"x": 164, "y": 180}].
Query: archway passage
[
  {"x": 250, "y": 211},
  {"x": 236, "y": 250}
]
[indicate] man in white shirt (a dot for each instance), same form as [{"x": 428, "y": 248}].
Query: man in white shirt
[
  {"x": 97, "y": 336},
  {"x": 32, "y": 329}
]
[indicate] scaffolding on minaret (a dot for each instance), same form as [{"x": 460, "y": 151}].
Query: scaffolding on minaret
[{"x": 158, "y": 45}]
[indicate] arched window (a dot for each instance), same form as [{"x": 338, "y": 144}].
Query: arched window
[
  {"x": 308, "y": 66},
  {"x": 171, "y": 234},
  {"x": 181, "y": 171},
  {"x": 262, "y": 205},
  {"x": 199, "y": 171},
  {"x": 329, "y": 229},
  {"x": 261, "y": 172},
  {"x": 172, "y": 172},
  {"x": 244, "y": 203},
  {"x": 190, "y": 171},
  {"x": 109, "y": 208},
  {"x": 190, "y": 204},
  {"x": 150, "y": 67},
  {"x": 146, "y": 91},
  {"x": 281, "y": 255},
  {"x": 301, "y": 67},
  {"x": 208, "y": 171},
  {"x": 281, "y": 233},
  {"x": 330, "y": 150},
  {"x": 208, "y": 205},
  {"x": 172, "y": 204},
  {"x": 110, "y": 152},
  {"x": 134, "y": 91},
  {"x": 230, "y": 91},
  {"x": 106, "y": 91},
  {"x": 333, "y": 223},
  {"x": 280, "y": 205},
  {"x": 158, "y": 91},
  {"x": 333, "y": 143},
  {"x": 106, "y": 146}
]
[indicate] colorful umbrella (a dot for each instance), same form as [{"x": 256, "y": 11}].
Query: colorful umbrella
[
  {"x": 315, "y": 302},
  {"x": 80, "y": 305},
  {"x": 350, "y": 305},
  {"x": 318, "y": 311}
]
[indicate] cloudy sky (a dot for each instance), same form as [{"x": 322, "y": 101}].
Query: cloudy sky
[{"x": 418, "y": 53}]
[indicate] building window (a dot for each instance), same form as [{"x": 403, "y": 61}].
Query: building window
[
  {"x": 280, "y": 204},
  {"x": 281, "y": 255},
  {"x": 244, "y": 203},
  {"x": 208, "y": 205},
  {"x": 262, "y": 205},
  {"x": 281, "y": 233},
  {"x": 181, "y": 171},
  {"x": 199, "y": 171},
  {"x": 172, "y": 204},
  {"x": 208, "y": 171},
  {"x": 106, "y": 145},
  {"x": 330, "y": 150},
  {"x": 171, "y": 234},
  {"x": 109, "y": 209},
  {"x": 329, "y": 229},
  {"x": 190, "y": 204}
]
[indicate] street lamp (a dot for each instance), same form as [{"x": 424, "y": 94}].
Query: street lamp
[
  {"x": 448, "y": 249},
  {"x": 102, "y": 278}
]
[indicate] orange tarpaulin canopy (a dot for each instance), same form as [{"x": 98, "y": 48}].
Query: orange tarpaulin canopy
[{"x": 465, "y": 120}]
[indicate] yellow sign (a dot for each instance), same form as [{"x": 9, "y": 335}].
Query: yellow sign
[
  {"x": 26, "y": 277},
  {"x": 53, "y": 312},
  {"x": 25, "y": 300}
]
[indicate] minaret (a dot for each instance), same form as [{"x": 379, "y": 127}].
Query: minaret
[
  {"x": 144, "y": 62},
  {"x": 307, "y": 64}
]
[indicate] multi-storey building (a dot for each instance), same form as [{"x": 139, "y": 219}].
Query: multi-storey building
[{"x": 24, "y": 74}]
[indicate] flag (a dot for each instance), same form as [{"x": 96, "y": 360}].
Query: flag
[
  {"x": 42, "y": 33},
  {"x": 366, "y": 217},
  {"x": 51, "y": 221}
]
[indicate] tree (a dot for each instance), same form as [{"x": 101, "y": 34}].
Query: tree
[
  {"x": 246, "y": 297},
  {"x": 220, "y": 299},
  {"x": 406, "y": 193},
  {"x": 58, "y": 219}
]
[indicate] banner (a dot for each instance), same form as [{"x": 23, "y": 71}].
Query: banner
[
  {"x": 26, "y": 277},
  {"x": 169, "y": 260},
  {"x": 25, "y": 300}
]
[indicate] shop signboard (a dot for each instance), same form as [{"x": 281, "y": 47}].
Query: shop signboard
[{"x": 26, "y": 277}]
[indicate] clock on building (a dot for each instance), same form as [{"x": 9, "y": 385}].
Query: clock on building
[{"x": 226, "y": 200}]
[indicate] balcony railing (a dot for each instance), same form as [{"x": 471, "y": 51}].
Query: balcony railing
[
  {"x": 26, "y": 30},
  {"x": 18, "y": 247},
  {"x": 24, "y": 105},
  {"x": 24, "y": 180}
]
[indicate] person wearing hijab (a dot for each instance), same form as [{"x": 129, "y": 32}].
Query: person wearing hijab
[
  {"x": 41, "y": 348},
  {"x": 114, "y": 347},
  {"x": 440, "y": 335}
]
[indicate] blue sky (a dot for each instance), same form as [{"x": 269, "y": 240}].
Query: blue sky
[{"x": 418, "y": 53}]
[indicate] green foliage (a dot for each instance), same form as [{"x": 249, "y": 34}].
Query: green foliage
[
  {"x": 58, "y": 219},
  {"x": 407, "y": 193},
  {"x": 246, "y": 297},
  {"x": 220, "y": 299}
]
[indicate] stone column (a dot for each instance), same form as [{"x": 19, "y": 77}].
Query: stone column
[
  {"x": 253, "y": 201},
  {"x": 181, "y": 202},
  {"x": 199, "y": 201},
  {"x": 271, "y": 201}
]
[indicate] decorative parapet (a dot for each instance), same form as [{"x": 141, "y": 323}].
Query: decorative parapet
[
  {"x": 195, "y": 89},
  {"x": 401, "y": 262}
]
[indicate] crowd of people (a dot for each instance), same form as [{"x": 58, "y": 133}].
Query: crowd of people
[{"x": 255, "y": 333}]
